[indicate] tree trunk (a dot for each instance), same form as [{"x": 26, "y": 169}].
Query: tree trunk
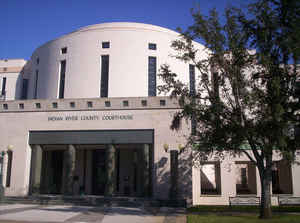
[{"x": 265, "y": 180}]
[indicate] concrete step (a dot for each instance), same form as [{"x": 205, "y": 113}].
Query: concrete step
[{"x": 93, "y": 201}]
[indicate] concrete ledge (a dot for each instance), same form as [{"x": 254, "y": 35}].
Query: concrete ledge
[{"x": 86, "y": 104}]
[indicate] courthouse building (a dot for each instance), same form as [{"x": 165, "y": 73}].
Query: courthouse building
[{"x": 83, "y": 117}]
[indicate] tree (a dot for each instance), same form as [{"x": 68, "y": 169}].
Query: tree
[{"x": 244, "y": 102}]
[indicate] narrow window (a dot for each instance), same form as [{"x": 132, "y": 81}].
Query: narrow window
[
  {"x": 192, "y": 79},
  {"x": 62, "y": 79},
  {"x": 64, "y": 50},
  {"x": 104, "y": 76},
  {"x": 37, "y": 61},
  {"x": 3, "y": 91},
  {"x": 5, "y": 106},
  {"x": 151, "y": 76},
  {"x": 24, "y": 89},
  {"x": 72, "y": 104},
  {"x": 9, "y": 165},
  {"x": 192, "y": 93},
  {"x": 36, "y": 84},
  {"x": 105, "y": 45},
  {"x": 152, "y": 46},
  {"x": 107, "y": 104},
  {"x": 193, "y": 125}
]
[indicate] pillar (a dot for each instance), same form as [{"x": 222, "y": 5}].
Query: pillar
[
  {"x": 36, "y": 169},
  {"x": 110, "y": 171},
  {"x": 174, "y": 174},
  {"x": 89, "y": 172},
  {"x": 69, "y": 169},
  {"x": 145, "y": 170}
]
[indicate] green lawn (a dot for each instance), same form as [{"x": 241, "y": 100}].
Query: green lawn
[
  {"x": 213, "y": 218},
  {"x": 241, "y": 208}
]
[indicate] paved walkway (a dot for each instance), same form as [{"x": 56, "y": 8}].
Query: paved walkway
[{"x": 80, "y": 214}]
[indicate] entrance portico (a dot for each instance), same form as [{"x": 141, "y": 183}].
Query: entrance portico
[{"x": 123, "y": 168}]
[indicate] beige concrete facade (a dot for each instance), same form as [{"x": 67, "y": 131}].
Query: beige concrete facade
[
  {"x": 142, "y": 167},
  {"x": 230, "y": 178},
  {"x": 11, "y": 70},
  {"x": 16, "y": 124}
]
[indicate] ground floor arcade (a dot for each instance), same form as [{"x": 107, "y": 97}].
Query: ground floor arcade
[{"x": 121, "y": 170}]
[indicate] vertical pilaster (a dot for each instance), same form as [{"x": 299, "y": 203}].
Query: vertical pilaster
[
  {"x": 89, "y": 172},
  {"x": 69, "y": 169},
  {"x": 36, "y": 168},
  {"x": 110, "y": 171},
  {"x": 174, "y": 174},
  {"x": 145, "y": 170}
]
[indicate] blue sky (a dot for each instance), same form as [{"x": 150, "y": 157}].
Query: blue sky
[{"x": 27, "y": 24}]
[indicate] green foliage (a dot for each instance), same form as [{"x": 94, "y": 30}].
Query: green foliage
[{"x": 246, "y": 84}]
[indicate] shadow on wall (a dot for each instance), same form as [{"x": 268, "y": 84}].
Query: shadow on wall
[
  {"x": 184, "y": 179},
  {"x": 185, "y": 189}
]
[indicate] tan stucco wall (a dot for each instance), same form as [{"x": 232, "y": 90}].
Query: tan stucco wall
[
  {"x": 15, "y": 127},
  {"x": 228, "y": 182}
]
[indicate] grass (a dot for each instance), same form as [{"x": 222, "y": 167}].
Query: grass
[
  {"x": 213, "y": 218},
  {"x": 241, "y": 208}
]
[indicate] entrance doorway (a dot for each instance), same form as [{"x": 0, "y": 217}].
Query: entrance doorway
[
  {"x": 52, "y": 171},
  {"x": 85, "y": 172},
  {"x": 99, "y": 172}
]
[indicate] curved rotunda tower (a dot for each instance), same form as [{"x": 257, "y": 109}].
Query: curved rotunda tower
[{"x": 104, "y": 60}]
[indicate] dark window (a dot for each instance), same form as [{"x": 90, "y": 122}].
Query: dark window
[
  {"x": 38, "y": 105},
  {"x": 125, "y": 103},
  {"x": 5, "y": 106},
  {"x": 36, "y": 84},
  {"x": 104, "y": 76},
  {"x": 152, "y": 76},
  {"x": 54, "y": 105},
  {"x": 24, "y": 89},
  {"x": 64, "y": 50},
  {"x": 72, "y": 104},
  {"x": 21, "y": 106},
  {"x": 162, "y": 102},
  {"x": 192, "y": 93},
  {"x": 5, "y": 69},
  {"x": 90, "y": 104},
  {"x": 192, "y": 79},
  {"x": 37, "y": 60},
  {"x": 193, "y": 125},
  {"x": 107, "y": 104},
  {"x": 9, "y": 165},
  {"x": 144, "y": 103},
  {"x": 62, "y": 79},
  {"x": 105, "y": 45},
  {"x": 152, "y": 46},
  {"x": 3, "y": 86}
]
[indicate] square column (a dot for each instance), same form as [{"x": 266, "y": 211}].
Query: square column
[
  {"x": 145, "y": 170},
  {"x": 69, "y": 169},
  {"x": 36, "y": 169},
  {"x": 110, "y": 171},
  {"x": 174, "y": 174}
]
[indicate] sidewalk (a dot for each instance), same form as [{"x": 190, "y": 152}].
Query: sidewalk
[{"x": 25, "y": 213}]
